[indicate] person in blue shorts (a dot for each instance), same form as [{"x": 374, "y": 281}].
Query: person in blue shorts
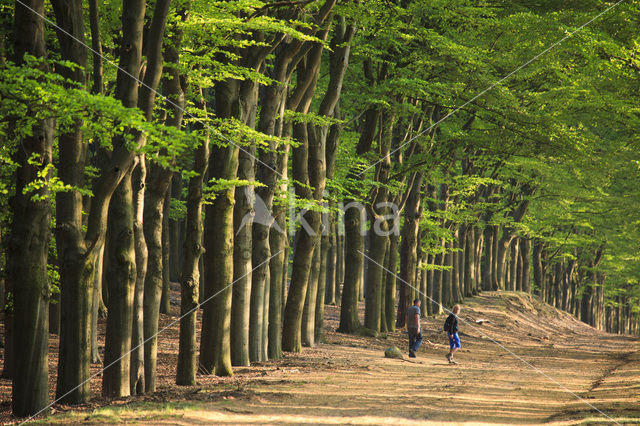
[
  {"x": 451, "y": 327},
  {"x": 412, "y": 319}
]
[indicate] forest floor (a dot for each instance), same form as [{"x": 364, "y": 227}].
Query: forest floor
[{"x": 346, "y": 379}]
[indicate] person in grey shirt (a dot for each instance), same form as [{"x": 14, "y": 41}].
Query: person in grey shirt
[{"x": 412, "y": 319}]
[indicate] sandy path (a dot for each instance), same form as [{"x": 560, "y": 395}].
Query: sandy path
[{"x": 346, "y": 380}]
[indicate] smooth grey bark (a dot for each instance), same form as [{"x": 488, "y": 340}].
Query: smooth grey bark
[
  {"x": 513, "y": 264},
  {"x": 277, "y": 278},
  {"x": 525, "y": 250},
  {"x": 322, "y": 280},
  {"x": 408, "y": 246},
  {"x": 309, "y": 310},
  {"x": 455, "y": 269},
  {"x": 428, "y": 307},
  {"x": 120, "y": 274},
  {"x": 519, "y": 266},
  {"x": 175, "y": 238},
  {"x": 538, "y": 271},
  {"x": 390, "y": 280},
  {"x": 422, "y": 294},
  {"x": 447, "y": 276},
  {"x": 469, "y": 261},
  {"x": 215, "y": 344},
  {"x": 354, "y": 217},
  {"x": 437, "y": 280},
  {"x": 340, "y": 262},
  {"x": 461, "y": 245},
  {"x": 247, "y": 307},
  {"x": 379, "y": 238},
  {"x": 494, "y": 259},
  {"x": 136, "y": 373},
  {"x": 27, "y": 263},
  {"x": 352, "y": 245},
  {"x": 98, "y": 309},
  {"x": 247, "y": 302},
  {"x": 479, "y": 247},
  {"x": 332, "y": 266},
  {"x": 487, "y": 259},
  {"x": 165, "y": 298},
  {"x": 157, "y": 178},
  {"x": 190, "y": 281}
]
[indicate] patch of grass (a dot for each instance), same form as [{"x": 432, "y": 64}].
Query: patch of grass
[
  {"x": 117, "y": 414},
  {"x": 621, "y": 420}
]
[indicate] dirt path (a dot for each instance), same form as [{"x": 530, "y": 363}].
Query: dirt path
[{"x": 348, "y": 381}]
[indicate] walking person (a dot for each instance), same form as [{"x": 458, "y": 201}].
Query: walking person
[
  {"x": 451, "y": 327},
  {"x": 412, "y": 319}
]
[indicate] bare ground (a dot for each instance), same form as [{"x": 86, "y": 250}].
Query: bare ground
[{"x": 529, "y": 364}]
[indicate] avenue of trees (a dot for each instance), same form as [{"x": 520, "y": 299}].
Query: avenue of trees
[{"x": 274, "y": 157}]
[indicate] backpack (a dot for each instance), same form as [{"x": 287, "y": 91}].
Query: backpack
[{"x": 447, "y": 323}]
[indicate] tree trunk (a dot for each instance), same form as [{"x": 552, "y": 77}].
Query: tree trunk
[
  {"x": 340, "y": 261},
  {"x": 494, "y": 258},
  {"x": 120, "y": 273},
  {"x": 310, "y": 301},
  {"x": 525, "y": 250},
  {"x": 447, "y": 276},
  {"x": 278, "y": 264},
  {"x": 187, "y": 367},
  {"x": 423, "y": 285},
  {"x": 215, "y": 345},
  {"x": 165, "y": 298},
  {"x": 455, "y": 269},
  {"x": 462, "y": 254},
  {"x": 469, "y": 261},
  {"x": 354, "y": 218},
  {"x": 175, "y": 238},
  {"x": 513, "y": 260},
  {"x": 27, "y": 263},
  {"x": 247, "y": 306},
  {"x": 430, "y": 274},
  {"x": 98, "y": 309},
  {"x": 215, "y": 355},
  {"x": 479, "y": 247},
  {"x": 247, "y": 301},
  {"x": 438, "y": 275},
  {"x": 487, "y": 261},
  {"x": 408, "y": 245},
  {"x": 153, "y": 282},
  {"x": 136, "y": 382},
  {"x": 322, "y": 280},
  {"x": 379, "y": 233},
  {"x": 390, "y": 282},
  {"x": 157, "y": 182},
  {"x": 332, "y": 264},
  {"x": 538, "y": 272},
  {"x": 9, "y": 353}
]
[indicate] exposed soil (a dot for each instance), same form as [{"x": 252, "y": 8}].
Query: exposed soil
[{"x": 530, "y": 363}]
